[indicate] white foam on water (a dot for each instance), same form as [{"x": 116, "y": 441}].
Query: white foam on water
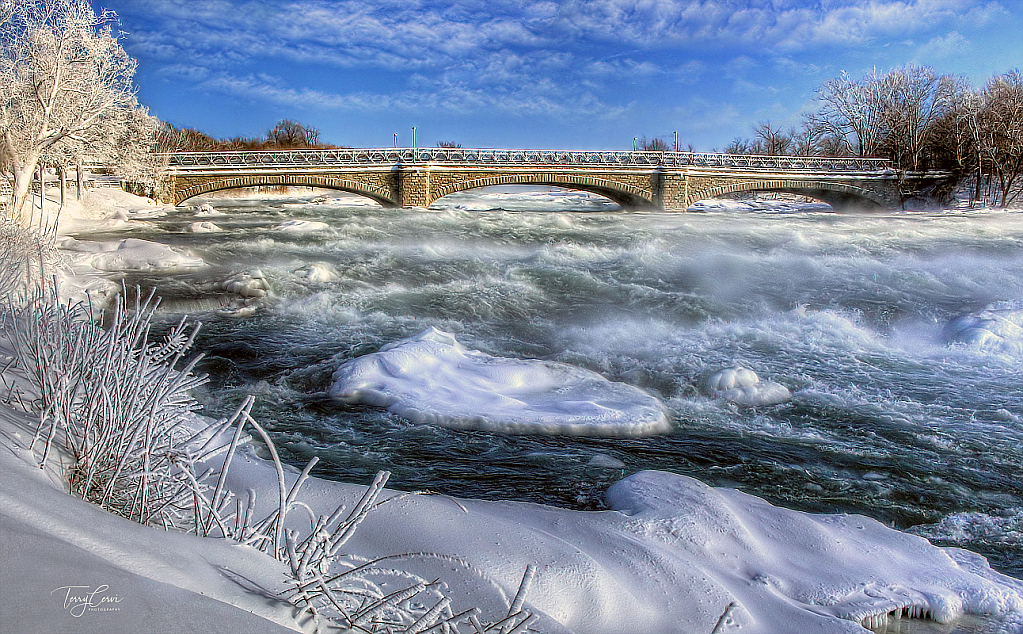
[{"x": 431, "y": 378}]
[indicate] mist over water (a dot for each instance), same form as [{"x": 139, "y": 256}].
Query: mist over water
[{"x": 888, "y": 418}]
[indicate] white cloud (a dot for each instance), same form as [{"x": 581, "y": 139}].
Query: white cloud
[{"x": 944, "y": 46}]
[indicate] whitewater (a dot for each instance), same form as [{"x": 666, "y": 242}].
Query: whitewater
[
  {"x": 863, "y": 370},
  {"x": 893, "y": 412}
]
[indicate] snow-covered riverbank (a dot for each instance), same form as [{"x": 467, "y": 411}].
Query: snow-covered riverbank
[{"x": 669, "y": 556}]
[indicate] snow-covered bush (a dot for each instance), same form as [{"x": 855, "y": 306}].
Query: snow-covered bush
[
  {"x": 112, "y": 400},
  {"x": 356, "y": 594},
  {"x": 117, "y": 408},
  {"x": 26, "y": 256}
]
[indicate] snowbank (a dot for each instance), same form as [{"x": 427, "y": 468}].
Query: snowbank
[
  {"x": 70, "y": 566},
  {"x": 431, "y": 378},
  {"x": 669, "y": 557}
]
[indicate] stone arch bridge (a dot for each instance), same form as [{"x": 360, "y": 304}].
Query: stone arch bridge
[{"x": 416, "y": 177}]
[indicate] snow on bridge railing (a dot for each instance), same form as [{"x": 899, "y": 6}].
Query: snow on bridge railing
[{"x": 188, "y": 161}]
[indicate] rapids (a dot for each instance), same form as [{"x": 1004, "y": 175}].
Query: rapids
[{"x": 900, "y": 408}]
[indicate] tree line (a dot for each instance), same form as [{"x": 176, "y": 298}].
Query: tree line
[
  {"x": 285, "y": 135},
  {"x": 918, "y": 119}
]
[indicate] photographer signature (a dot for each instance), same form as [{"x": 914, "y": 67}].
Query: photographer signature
[{"x": 81, "y": 599}]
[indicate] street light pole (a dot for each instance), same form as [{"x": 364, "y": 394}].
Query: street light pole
[
  {"x": 413, "y": 137},
  {"x": 676, "y": 139},
  {"x": 395, "y": 140},
  {"x": 634, "y": 139}
]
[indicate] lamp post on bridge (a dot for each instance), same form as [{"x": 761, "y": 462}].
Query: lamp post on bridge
[
  {"x": 413, "y": 137},
  {"x": 676, "y": 139},
  {"x": 634, "y": 139},
  {"x": 396, "y": 140}
]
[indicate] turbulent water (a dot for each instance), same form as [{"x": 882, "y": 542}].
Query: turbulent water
[{"x": 894, "y": 414}]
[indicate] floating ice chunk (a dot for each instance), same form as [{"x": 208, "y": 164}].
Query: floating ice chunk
[
  {"x": 205, "y": 209},
  {"x": 239, "y": 309},
  {"x": 431, "y": 378},
  {"x": 302, "y": 226},
  {"x": 131, "y": 254},
  {"x": 742, "y": 385},
  {"x": 203, "y": 227},
  {"x": 248, "y": 284},
  {"x": 316, "y": 272},
  {"x": 998, "y": 328}
]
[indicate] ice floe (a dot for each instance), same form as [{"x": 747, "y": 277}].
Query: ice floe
[
  {"x": 431, "y": 378},
  {"x": 997, "y": 328},
  {"x": 302, "y": 226},
  {"x": 316, "y": 272},
  {"x": 130, "y": 254}
]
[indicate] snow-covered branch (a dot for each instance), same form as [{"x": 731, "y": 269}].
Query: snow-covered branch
[{"x": 67, "y": 92}]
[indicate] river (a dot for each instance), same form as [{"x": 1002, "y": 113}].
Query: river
[{"x": 893, "y": 414}]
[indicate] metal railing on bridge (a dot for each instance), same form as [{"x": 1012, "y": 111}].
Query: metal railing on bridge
[{"x": 340, "y": 157}]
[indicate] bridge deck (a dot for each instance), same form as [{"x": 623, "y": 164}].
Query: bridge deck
[{"x": 188, "y": 161}]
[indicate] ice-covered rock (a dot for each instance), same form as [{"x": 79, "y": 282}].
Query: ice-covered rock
[
  {"x": 604, "y": 461},
  {"x": 743, "y": 386},
  {"x": 247, "y": 284},
  {"x": 203, "y": 227},
  {"x": 431, "y": 378},
  {"x": 998, "y": 328},
  {"x": 205, "y": 209}
]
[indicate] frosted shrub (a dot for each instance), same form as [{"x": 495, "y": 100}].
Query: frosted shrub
[
  {"x": 356, "y": 594},
  {"x": 118, "y": 406},
  {"x": 112, "y": 400},
  {"x": 25, "y": 255}
]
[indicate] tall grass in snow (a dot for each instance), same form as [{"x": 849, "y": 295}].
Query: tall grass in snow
[
  {"x": 355, "y": 594},
  {"x": 25, "y": 258},
  {"x": 115, "y": 401},
  {"x": 117, "y": 406}
]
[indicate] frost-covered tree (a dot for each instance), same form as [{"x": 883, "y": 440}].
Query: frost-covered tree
[
  {"x": 852, "y": 111},
  {"x": 1000, "y": 123},
  {"x": 916, "y": 98},
  {"x": 67, "y": 92}
]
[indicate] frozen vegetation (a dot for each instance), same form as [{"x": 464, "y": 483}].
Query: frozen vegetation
[{"x": 256, "y": 546}]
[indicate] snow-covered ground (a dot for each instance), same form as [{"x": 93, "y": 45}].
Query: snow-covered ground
[{"x": 669, "y": 556}]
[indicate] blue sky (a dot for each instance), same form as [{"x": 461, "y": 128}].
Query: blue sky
[{"x": 585, "y": 74}]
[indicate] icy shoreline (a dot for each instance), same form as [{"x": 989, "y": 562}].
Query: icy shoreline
[{"x": 669, "y": 556}]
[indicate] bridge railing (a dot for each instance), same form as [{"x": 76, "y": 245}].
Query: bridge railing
[{"x": 188, "y": 161}]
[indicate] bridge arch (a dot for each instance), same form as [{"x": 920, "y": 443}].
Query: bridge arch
[
  {"x": 838, "y": 195},
  {"x": 378, "y": 194},
  {"x": 625, "y": 194}
]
